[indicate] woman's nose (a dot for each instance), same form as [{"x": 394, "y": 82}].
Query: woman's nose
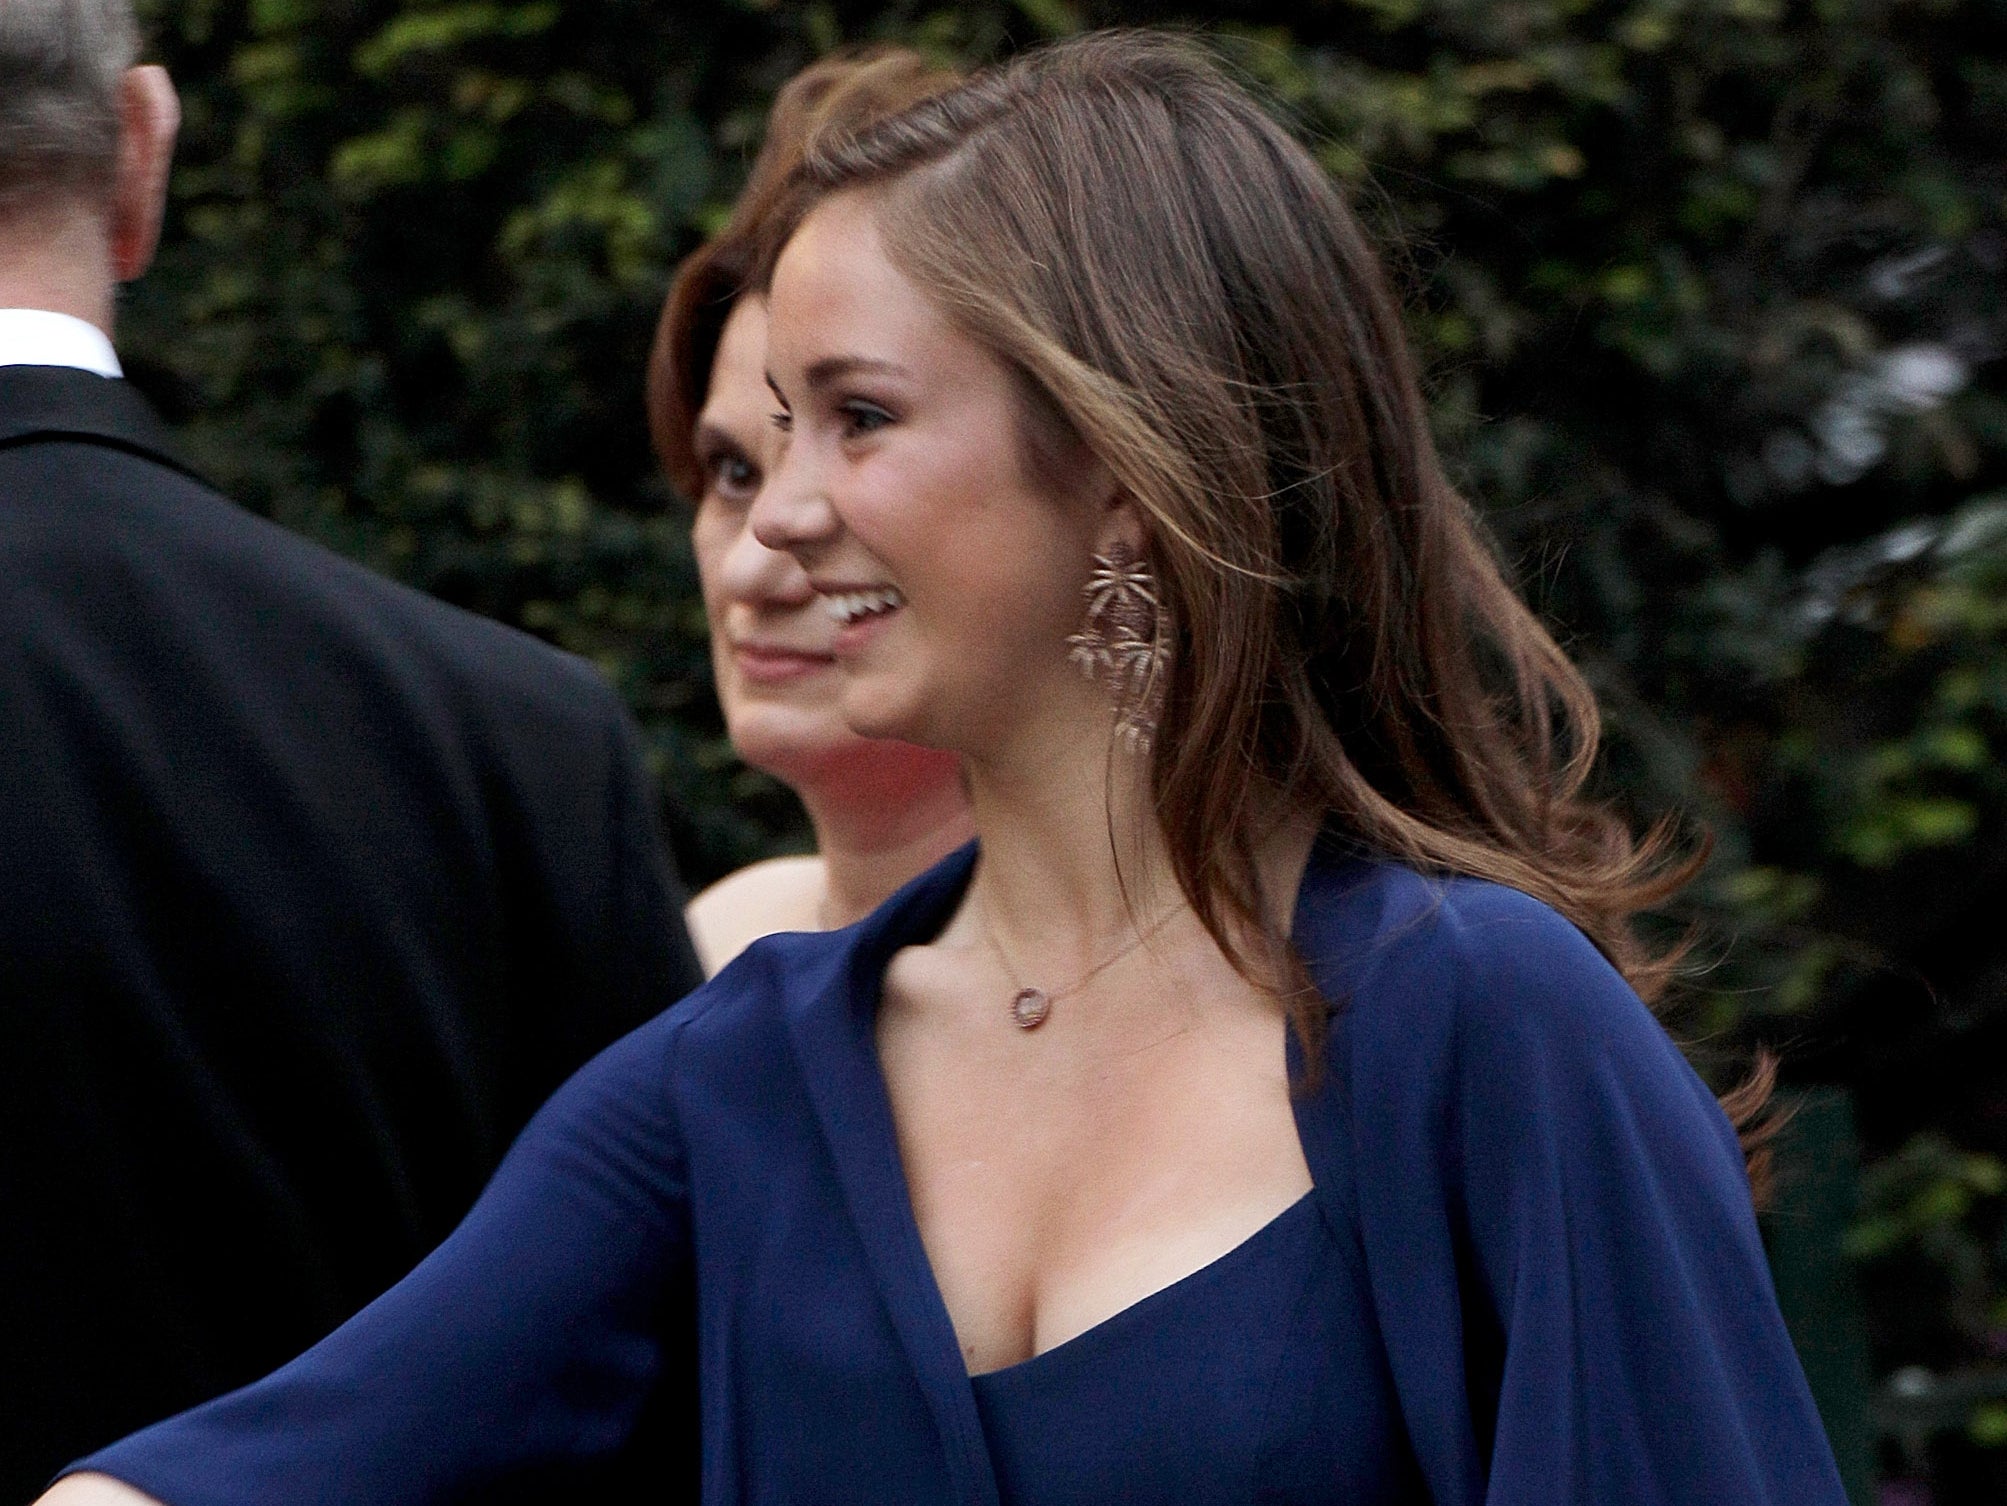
[
  {"x": 753, "y": 573},
  {"x": 792, "y": 511}
]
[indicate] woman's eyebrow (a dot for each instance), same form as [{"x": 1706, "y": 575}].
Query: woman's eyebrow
[
  {"x": 835, "y": 368},
  {"x": 712, "y": 435},
  {"x": 832, "y": 369}
]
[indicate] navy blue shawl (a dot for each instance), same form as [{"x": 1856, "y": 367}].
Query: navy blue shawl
[{"x": 1546, "y": 1208}]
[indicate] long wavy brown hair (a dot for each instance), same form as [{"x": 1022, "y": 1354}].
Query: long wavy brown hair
[
  {"x": 1186, "y": 293},
  {"x": 841, "y": 93}
]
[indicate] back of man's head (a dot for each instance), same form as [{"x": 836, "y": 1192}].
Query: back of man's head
[
  {"x": 86, "y": 140},
  {"x": 61, "y": 62}
]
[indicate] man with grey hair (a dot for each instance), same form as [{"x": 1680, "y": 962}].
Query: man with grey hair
[
  {"x": 311, "y": 888},
  {"x": 85, "y": 139}
]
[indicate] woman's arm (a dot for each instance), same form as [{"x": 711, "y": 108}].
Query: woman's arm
[
  {"x": 1607, "y": 1205},
  {"x": 1555, "y": 1217},
  {"x": 524, "y": 1347}
]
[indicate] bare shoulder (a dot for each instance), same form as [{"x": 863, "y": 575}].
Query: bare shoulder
[
  {"x": 780, "y": 894},
  {"x": 93, "y": 1490}
]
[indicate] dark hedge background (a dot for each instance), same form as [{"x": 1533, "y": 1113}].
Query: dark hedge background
[{"x": 1712, "y": 295}]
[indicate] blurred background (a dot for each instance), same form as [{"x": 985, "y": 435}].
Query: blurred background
[{"x": 1711, "y": 295}]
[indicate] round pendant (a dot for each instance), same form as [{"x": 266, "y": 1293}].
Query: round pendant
[{"x": 1030, "y": 1008}]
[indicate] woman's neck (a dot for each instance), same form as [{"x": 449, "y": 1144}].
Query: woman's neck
[
  {"x": 1074, "y": 859},
  {"x": 873, "y": 838}
]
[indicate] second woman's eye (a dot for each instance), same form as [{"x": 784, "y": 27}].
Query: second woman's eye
[{"x": 732, "y": 475}]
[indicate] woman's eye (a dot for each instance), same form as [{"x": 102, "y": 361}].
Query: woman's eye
[
  {"x": 784, "y": 421},
  {"x": 735, "y": 474},
  {"x": 863, "y": 418}
]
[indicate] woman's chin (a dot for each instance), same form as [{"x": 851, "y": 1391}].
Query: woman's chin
[
  {"x": 788, "y": 741},
  {"x": 879, "y": 718}
]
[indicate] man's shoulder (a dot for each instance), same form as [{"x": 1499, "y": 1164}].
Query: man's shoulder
[{"x": 124, "y": 506}]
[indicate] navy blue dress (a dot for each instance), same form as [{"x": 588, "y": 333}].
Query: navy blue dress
[{"x": 1527, "y": 1274}]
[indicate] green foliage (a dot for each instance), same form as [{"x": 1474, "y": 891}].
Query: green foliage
[
  {"x": 1710, "y": 294},
  {"x": 1921, "y": 1199}
]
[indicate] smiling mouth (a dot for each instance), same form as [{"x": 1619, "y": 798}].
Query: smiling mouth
[
  {"x": 779, "y": 653},
  {"x": 847, "y": 607},
  {"x": 772, "y": 664}
]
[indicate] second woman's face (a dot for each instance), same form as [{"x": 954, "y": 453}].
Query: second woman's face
[
  {"x": 770, "y": 637},
  {"x": 951, "y": 573}
]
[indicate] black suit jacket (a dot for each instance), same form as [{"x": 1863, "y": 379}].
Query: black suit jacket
[{"x": 311, "y": 889}]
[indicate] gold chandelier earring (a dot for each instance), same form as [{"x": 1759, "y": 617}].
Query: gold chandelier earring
[{"x": 1124, "y": 644}]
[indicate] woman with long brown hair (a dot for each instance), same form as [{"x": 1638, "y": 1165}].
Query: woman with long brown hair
[
  {"x": 881, "y": 811},
  {"x": 1261, "y": 1111}
]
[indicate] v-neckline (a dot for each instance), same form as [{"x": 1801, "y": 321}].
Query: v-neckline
[
  {"x": 834, "y": 1031},
  {"x": 1112, "y": 1327}
]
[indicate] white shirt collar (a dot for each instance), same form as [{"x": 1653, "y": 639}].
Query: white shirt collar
[{"x": 36, "y": 337}]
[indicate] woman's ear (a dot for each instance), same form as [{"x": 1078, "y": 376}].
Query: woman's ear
[{"x": 1121, "y": 523}]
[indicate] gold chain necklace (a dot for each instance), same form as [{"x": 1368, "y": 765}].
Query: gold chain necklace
[{"x": 1030, "y": 1005}]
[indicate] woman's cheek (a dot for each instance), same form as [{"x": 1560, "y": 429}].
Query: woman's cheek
[{"x": 708, "y": 543}]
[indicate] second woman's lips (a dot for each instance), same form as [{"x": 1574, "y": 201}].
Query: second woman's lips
[{"x": 769, "y": 664}]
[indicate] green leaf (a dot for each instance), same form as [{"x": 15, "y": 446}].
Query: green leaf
[
  {"x": 393, "y": 155},
  {"x": 1988, "y": 1427},
  {"x": 419, "y": 32},
  {"x": 1053, "y": 18}
]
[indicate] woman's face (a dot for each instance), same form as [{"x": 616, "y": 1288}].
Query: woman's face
[
  {"x": 770, "y": 636},
  {"x": 950, "y": 574}
]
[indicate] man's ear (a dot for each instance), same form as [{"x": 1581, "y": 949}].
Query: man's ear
[{"x": 149, "y": 116}]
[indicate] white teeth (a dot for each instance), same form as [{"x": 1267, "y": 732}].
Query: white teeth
[{"x": 849, "y": 606}]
